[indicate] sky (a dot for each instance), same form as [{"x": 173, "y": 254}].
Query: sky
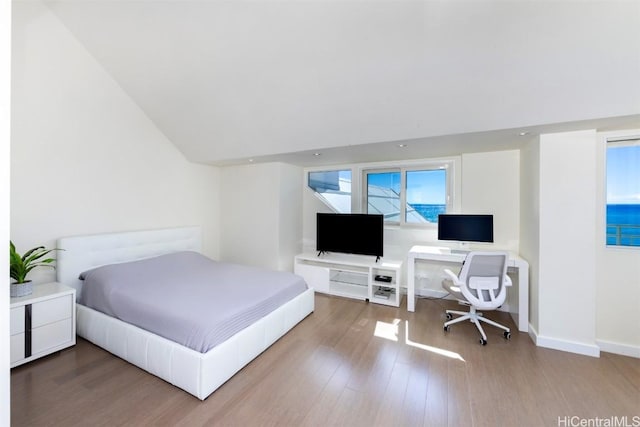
[{"x": 623, "y": 174}]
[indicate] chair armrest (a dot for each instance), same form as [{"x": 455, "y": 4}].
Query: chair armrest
[
  {"x": 507, "y": 280},
  {"x": 452, "y": 276}
]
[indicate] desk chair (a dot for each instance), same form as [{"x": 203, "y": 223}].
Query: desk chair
[{"x": 481, "y": 285}]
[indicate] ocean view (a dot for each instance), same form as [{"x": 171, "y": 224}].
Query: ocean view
[
  {"x": 430, "y": 212},
  {"x": 623, "y": 224}
]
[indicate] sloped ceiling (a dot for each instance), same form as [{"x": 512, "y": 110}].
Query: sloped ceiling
[{"x": 232, "y": 80}]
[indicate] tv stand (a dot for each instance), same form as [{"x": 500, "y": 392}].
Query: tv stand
[{"x": 352, "y": 276}]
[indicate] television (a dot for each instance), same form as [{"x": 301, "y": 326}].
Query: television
[
  {"x": 465, "y": 227},
  {"x": 361, "y": 234}
]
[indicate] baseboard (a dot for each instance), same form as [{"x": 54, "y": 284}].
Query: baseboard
[
  {"x": 533, "y": 334},
  {"x": 621, "y": 349},
  {"x": 563, "y": 345}
]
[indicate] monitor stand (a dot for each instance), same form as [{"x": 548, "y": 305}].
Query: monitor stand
[{"x": 463, "y": 248}]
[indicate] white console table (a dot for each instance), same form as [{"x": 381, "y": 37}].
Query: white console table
[{"x": 446, "y": 255}]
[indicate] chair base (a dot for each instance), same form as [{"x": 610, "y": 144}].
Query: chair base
[{"x": 474, "y": 317}]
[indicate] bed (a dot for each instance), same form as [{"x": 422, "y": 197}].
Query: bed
[{"x": 198, "y": 373}]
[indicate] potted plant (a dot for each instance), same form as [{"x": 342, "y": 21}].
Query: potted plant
[{"x": 20, "y": 267}]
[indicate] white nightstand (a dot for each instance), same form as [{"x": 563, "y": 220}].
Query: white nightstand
[{"x": 43, "y": 322}]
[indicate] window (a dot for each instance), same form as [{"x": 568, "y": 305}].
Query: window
[
  {"x": 333, "y": 188},
  {"x": 426, "y": 195},
  {"x": 623, "y": 192},
  {"x": 407, "y": 196},
  {"x": 383, "y": 194}
]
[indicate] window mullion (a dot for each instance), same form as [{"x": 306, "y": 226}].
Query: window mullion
[{"x": 403, "y": 196}]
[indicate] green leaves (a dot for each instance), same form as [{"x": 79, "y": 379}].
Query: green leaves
[{"x": 20, "y": 266}]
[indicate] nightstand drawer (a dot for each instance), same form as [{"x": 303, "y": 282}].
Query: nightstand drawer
[
  {"x": 42, "y": 322},
  {"x": 17, "y": 321},
  {"x": 17, "y": 347},
  {"x": 50, "y": 311},
  {"x": 51, "y": 335}
]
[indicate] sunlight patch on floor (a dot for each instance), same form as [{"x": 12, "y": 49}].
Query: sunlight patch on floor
[
  {"x": 386, "y": 330},
  {"x": 440, "y": 351},
  {"x": 390, "y": 331}
]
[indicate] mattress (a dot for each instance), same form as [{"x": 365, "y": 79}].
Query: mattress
[{"x": 188, "y": 298}]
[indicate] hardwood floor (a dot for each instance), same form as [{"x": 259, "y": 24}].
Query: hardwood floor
[{"x": 349, "y": 363}]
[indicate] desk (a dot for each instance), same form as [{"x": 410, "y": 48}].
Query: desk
[{"x": 515, "y": 263}]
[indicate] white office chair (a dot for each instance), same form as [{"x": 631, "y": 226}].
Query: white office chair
[{"x": 481, "y": 284}]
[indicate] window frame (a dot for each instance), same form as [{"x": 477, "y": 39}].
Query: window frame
[
  {"x": 452, "y": 164},
  {"x": 631, "y": 139},
  {"x": 447, "y": 165}
]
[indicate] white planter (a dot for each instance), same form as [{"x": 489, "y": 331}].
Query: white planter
[{"x": 22, "y": 289}]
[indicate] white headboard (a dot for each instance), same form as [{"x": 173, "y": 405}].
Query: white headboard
[{"x": 82, "y": 253}]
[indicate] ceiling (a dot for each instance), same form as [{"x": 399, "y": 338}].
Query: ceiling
[{"x": 280, "y": 80}]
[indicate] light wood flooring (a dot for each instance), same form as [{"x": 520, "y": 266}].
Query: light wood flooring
[{"x": 332, "y": 369}]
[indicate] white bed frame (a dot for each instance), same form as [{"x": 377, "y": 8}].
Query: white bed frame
[{"x": 197, "y": 373}]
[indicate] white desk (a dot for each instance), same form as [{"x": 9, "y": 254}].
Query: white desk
[{"x": 433, "y": 253}]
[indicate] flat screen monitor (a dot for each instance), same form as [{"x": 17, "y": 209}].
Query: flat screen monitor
[
  {"x": 465, "y": 227},
  {"x": 360, "y": 234}
]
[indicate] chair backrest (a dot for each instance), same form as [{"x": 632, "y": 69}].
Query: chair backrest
[{"x": 483, "y": 279}]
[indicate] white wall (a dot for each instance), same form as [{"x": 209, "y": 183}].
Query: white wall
[
  {"x": 584, "y": 297},
  {"x": 5, "y": 91},
  {"x": 85, "y": 158},
  {"x": 261, "y": 219},
  {"x": 617, "y": 275},
  {"x": 530, "y": 222},
  {"x": 491, "y": 185},
  {"x": 290, "y": 224},
  {"x": 567, "y": 258},
  {"x": 483, "y": 183}
]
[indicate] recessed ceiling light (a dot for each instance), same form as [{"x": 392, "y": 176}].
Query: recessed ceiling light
[
  {"x": 250, "y": 160},
  {"x": 402, "y": 145},
  {"x": 523, "y": 133},
  {"x": 317, "y": 154}
]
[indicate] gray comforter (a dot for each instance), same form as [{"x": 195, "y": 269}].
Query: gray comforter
[{"x": 187, "y": 297}]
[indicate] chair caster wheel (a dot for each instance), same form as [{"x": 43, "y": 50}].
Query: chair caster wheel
[
  {"x": 483, "y": 341},
  {"x": 446, "y": 328},
  {"x": 449, "y": 316},
  {"x": 507, "y": 335}
]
